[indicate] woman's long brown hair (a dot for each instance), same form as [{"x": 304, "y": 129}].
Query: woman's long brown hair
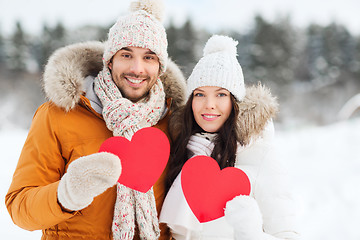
[{"x": 224, "y": 151}]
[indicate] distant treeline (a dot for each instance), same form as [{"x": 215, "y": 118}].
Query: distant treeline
[{"x": 291, "y": 61}]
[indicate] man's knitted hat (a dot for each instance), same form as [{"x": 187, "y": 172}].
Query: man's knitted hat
[
  {"x": 218, "y": 67},
  {"x": 141, "y": 28}
]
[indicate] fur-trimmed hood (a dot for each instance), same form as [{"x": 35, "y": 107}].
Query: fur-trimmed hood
[
  {"x": 63, "y": 80},
  {"x": 255, "y": 111}
]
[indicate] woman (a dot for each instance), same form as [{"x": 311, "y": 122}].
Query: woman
[{"x": 234, "y": 126}]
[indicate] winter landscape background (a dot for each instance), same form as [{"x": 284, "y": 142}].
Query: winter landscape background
[{"x": 312, "y": 65}]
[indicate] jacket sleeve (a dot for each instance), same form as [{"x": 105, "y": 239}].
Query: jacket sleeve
[
  {"x": 273, "y": 194},
  {"x": 32, "y": 196}
]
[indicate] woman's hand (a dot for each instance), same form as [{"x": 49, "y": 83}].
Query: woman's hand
[{"x": 244, "y": 215}]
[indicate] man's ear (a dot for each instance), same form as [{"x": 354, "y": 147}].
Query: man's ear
[
  {"x": 110, "y": 65},
  {"x": 159, "y": 69}
]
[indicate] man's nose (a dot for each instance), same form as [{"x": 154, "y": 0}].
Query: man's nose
[{"x": 137, "y": 66}]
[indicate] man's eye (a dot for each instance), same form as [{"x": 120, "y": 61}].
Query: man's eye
[
  {"x": 126, "y": 55},
  {"x": 149, "y": 57}
]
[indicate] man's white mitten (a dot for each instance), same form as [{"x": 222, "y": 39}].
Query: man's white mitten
[
  {"x": 244, "y": 215},
  {"x": 86, "y": 178}
]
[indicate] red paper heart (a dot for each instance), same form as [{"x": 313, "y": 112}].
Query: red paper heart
[
  {"x": 207, "y": 188},
  {"x": 143, "y": 159}
]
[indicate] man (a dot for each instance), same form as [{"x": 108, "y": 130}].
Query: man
[{"x": 62, "y": 185}]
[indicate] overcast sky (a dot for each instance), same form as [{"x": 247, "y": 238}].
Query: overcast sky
[{"x": 210, "y": 14}]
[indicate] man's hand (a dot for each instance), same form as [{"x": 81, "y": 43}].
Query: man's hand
[{"x": 86, "y": 178}]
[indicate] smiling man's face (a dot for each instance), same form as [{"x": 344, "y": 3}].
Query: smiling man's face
[{"x": 134, "y": 71}]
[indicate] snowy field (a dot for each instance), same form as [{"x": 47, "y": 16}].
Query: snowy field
[{"x": 324, "y": 163}]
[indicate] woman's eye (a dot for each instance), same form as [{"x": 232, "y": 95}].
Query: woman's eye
[
  {"x": 222, "y": 94},
  {"x": 126, "y": 55},
  {"x": 198, "y": 95}
]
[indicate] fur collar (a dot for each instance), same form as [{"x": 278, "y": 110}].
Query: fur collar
[
  {"x": 255, "y": 111},
  {"x": 65, "y": 72}
]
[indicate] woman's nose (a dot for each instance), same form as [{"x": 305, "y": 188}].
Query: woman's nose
[{"x": 210, "y": 103}]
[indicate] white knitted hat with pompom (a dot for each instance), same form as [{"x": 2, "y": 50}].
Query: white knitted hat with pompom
[
  {"x": 218, "y": 67},
  {"x": 141, "y": 28}
]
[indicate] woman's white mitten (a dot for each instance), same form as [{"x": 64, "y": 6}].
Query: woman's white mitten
[
  {"x": 244, "y": 215},
  {"x": 86, "y": 178}
]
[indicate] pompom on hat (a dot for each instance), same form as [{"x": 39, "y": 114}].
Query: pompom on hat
[
  {"x": 142, "y": 27},
  {"x": 218, "y": 67}
]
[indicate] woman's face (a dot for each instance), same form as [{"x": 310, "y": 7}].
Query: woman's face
[{"x": 211, "y": 107}]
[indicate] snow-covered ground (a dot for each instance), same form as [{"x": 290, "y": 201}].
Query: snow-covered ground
[
  {"x": 10, "y": 145},
  {"x": 324, "y": 163}
]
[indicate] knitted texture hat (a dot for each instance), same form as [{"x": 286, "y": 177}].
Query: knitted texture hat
[
  {"x": 141, "y": 28},
  {"x": 218, "y": 67}
]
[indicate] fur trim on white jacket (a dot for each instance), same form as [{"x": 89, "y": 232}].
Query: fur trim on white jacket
[{"x": 66, "y": 70}]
